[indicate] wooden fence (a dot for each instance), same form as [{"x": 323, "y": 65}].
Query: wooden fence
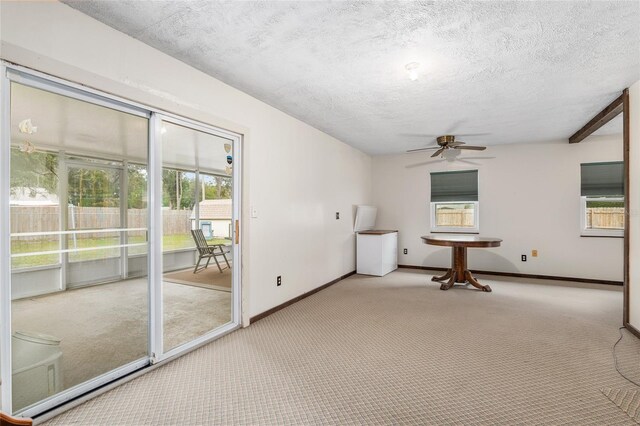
[
  {"x": 597, "y": 217},
  {"x": 605, "y": 218},
  {"x": 47, "y": 218},
  {"x": 454, "y": 217},
  {"x": 175, "y": 222}
]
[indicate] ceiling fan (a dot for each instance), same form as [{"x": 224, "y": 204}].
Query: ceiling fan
[{"x": 446, "y": 142}]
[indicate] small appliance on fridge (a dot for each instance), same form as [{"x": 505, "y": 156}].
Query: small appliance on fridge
[{"x": 376, "y": 249}]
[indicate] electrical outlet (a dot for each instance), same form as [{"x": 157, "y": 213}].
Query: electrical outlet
[
  {"x": 524, "y": 258},
  {"x": 279, "y": 280},
  {"x": 534, "y": 253},
  {"x": 405, "y": 251},
  {"x": 337, "y": 215}
]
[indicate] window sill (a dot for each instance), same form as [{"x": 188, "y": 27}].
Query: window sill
[
  {"x": 449, "y": 231},
  {"x": 602, "y": 235}
]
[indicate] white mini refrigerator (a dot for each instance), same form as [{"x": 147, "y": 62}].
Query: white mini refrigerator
[{"x": 376, "y": 250}]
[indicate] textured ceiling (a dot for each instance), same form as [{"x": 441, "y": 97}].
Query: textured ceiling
[{"x": 510, "y": 71}]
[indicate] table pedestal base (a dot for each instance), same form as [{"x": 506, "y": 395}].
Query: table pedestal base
[{"x": 459, "y": 272}]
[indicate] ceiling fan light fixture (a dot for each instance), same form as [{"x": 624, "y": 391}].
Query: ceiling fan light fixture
[
  {"x": 27, "y": 127},
  {"x": 451, "y": 154},
  {"x": 412, "y": 68}
]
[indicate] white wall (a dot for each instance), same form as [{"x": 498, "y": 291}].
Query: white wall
[
  {"x": 294, "y": 175},
  {"x": 634, "y": 205},
  {"x": 529, "y": 196}
]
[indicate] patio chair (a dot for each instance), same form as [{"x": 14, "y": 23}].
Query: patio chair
[{"x": 208, "y": 251}]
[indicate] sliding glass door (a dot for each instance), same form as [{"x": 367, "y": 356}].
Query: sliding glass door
[
  {"x": 75, "y": 313},
  {"x": 119, "y": 235},
  {"x": 197, "y": 232}
]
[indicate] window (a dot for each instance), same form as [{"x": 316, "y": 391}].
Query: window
[
  {"x": 454, "y": 202},
  {"x": 602, "y": 199}
]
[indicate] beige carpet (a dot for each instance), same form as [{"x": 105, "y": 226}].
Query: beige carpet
[
  {"x": 394, "y": 350},
  {"x": 210, "y": 278}
]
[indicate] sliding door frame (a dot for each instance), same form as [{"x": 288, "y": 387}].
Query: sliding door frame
[
  {"x": 28, "y": 77},
  {"x": 5, "y": 241}
]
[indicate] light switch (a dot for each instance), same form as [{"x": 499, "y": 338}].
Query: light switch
[{"x": 254, "y": 212}]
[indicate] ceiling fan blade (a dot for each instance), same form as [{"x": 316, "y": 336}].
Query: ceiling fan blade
[
  {"x": 456, "y": 143},
  {"x": 476, "y": 148},
  {"x": 423, "y": 149},
  {"x": 438, "y": 152}
]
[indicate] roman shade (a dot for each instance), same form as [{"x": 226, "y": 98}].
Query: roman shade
[
  {"x": 602, "y": 179},
  {"x": 454, "y": 186}
]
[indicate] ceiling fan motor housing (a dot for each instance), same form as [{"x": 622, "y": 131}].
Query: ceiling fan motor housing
[{"x": 445, "y": 140}]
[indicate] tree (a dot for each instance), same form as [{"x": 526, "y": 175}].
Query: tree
[
  {"x": 137, "y": 187},
  {"x": 37, "y": 171},
  {"x": 216, "y": 187},
  {"x": 178, "y": 189},
  {"x": 90, "y": 187}
]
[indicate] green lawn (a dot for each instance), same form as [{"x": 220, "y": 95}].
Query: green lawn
[{"x": 169, "y": 242}]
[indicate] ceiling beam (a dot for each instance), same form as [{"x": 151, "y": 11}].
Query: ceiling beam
[{"x": 602, "y": 118}]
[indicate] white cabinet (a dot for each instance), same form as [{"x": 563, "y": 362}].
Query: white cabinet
[{"x": 377, "y": 252}]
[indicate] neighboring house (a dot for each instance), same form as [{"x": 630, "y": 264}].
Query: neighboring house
[
  {"x": 215, "y": 218},
  {"x": 24, "y": 196}
]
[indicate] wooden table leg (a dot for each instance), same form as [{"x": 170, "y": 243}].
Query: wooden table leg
[
  {"x": 450, "y": 283},
  {"x": 459, "y": 263},
  {"x": 475, "y": 283},
  {"x": 459, "y": 272},
  {"x": 442, "y": 277}
]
